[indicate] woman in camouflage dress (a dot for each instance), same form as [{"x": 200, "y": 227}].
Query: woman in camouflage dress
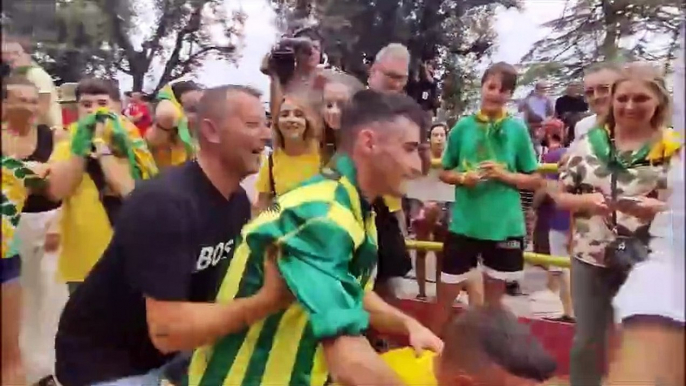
[{"x": 640, "y": 156}]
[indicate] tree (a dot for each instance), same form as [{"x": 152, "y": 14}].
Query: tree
[
  {"x": 99, "y": 37},
  {"x": 355, "y": 30},
  {"x": 606, "y": 30}
]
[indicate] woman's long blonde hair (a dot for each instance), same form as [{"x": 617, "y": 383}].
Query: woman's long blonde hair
[
  {"x": 654, "y": 79},
  {"x": 312, "y": 120}
]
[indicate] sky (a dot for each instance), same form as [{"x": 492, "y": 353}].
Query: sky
[{"x": 517, "y": 31}]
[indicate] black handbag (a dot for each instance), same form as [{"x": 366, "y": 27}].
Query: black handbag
[{"x": 626, "y": 250}]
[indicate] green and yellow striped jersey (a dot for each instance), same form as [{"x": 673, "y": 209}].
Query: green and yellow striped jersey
[{"x": 326, "y": 239}]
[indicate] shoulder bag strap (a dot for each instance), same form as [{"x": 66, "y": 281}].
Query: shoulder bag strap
[
  {"x": 612, "y": 164},
  {"x": 272, "y": 185}
]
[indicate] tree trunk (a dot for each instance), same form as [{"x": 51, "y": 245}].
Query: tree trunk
[{"x": 609, "y": 47}]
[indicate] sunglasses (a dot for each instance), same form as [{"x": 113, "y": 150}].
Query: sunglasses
[{"x": 600, "y": 90}]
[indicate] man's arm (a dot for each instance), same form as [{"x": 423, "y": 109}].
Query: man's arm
[
  {"x": 352, "y": 361},
  {"x": 180, "y": 326},
  {"x": 386, "y": 318},
  {"x": 157, "y": 239}
]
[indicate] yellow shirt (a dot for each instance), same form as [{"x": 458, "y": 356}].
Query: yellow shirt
[
  {"x": 288, "y": 171},
  {"x": 412, "y": 371},
  {"x": 85, "y": 228},
  {"x": 170, "y": 156},
  {"x": 394, "y": 204},
  {"x": 45, "y": 85}
]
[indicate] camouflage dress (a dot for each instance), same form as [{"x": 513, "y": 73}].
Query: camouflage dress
[{"x": 586, "y": 170}]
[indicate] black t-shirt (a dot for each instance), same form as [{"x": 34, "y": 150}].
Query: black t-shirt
[
  {"x": 173, "y": 242},
  {"x": 570, "y": 104}
]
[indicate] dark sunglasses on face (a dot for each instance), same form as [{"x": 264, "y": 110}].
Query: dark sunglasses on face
[{"x": 603, "y": 89}]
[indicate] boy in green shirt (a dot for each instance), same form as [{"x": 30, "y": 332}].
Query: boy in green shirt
[{"x": 489, "y": 158}]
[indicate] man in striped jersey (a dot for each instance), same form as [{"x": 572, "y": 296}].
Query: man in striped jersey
[{"x": 324, "y": 237}]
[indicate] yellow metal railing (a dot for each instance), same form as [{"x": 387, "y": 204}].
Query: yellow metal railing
[
  {"x": 543, "y": 168},
  {"x": 531, "y": 258}
]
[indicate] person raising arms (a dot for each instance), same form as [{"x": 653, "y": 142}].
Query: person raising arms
[
  {"x": 324, "y": 237},
  {"x": 171, "y": 138}
]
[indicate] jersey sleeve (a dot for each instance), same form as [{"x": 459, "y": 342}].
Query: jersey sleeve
[
  {"x": 451, "y": 155},
  {"x": 262, "y": 182},
  {"x": 314, "y": 257},
  {"x": 526, "y": 155}
]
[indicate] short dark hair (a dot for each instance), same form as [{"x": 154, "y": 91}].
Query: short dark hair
[
  {"x": 97, "y": 86},
  {"x": 507, "y": 72},
  {"x": 369, "y": 106},
  {"x": 438, "y": 124},
  {"x": 182, "y": 87},
  {"x": 211, "y": 102},
  {"x": 492, "y": 334},
  {"x": 15, "y": 80}
]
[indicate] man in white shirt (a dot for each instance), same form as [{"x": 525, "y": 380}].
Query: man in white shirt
[
  {"x": 597, "y": 86},
  {"x": 17, "y": 53},
  {"x": 650, "y": 305}
]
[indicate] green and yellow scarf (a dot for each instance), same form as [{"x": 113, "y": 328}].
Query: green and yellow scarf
[
  {"x": 17, "y": 179},
  {"x": 167, "y": 94},
  {"x": 141, "y": 163}
]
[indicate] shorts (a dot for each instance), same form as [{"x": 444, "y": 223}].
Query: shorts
[
  {"x": 11, "y": 269},
  {"x": 558, "y": 241},
  {"x": 501, "y": 260}
]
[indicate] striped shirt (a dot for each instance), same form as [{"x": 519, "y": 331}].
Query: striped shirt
[{"x": 325, "y": 236}]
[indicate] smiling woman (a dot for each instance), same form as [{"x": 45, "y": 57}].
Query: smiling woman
[{"x": 296, "y": 156}]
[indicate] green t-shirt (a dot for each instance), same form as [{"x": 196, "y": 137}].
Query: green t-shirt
[{"x": 491, "y": 210}]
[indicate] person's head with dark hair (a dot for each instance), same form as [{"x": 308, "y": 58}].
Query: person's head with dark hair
[
  {"x": 310, "y": 58},
  {"x": 438, "y": 133},
  {"x": 497, "y": 85},
  {"x": 16, "y": 51},
  {"x": 231, "y": 131},
  {"x": 94, "y": 93},
  {"x": 488, "y": 346},
  {"x": 383, "y": 133},
  {"x": 19, "y": 101},
  {"x": 186, "y": 92}
]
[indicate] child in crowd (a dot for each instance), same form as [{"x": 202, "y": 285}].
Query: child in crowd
[
  {"x": 554, "y": 223},
  {"x": 483, "y": 346},
  {"x": 489, "y": 158}
]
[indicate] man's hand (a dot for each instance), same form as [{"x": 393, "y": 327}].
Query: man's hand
[
  {"x": 421, "y": 338},
  {"x": 274, "y": 291},
  {"x": 493, "y": 170}
]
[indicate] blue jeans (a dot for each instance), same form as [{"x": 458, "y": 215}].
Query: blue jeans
[
  {"x": 175, "y": 371},
  {"x": 152, "y": 378}
]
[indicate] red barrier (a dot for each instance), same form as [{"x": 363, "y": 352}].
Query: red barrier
[{"x": 555, "y": 337}]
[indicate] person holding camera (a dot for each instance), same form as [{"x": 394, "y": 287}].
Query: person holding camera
[
  {"x": 614, "y": 180},
  {"x": 292, "y": 66}
]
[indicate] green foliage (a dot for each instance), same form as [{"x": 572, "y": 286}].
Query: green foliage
[
  {"x": 96, "y": 37},
  {"x": 589, "y": 31},
  {"x": 455, "y": 33}
]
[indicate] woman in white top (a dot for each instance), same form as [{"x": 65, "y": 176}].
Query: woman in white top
[{"x": 650, "y": 305}]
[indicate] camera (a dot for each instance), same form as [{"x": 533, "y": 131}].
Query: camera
[{"x": 283, "y": 56}]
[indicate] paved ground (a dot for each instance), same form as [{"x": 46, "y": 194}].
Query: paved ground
[{"x": 536, "y": 301}]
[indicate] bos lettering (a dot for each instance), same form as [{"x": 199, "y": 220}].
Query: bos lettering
[{"x": 211, "y": 256}]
